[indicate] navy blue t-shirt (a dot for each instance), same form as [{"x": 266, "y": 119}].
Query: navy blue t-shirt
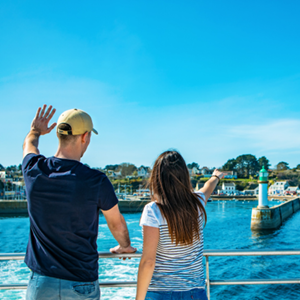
[{"x": 64, "y": 198}]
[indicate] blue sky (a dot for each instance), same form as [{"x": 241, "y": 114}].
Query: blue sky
[{"x": 213, "y": 79}]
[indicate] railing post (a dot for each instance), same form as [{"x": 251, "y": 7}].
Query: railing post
[{"x": 207, "y": 277}]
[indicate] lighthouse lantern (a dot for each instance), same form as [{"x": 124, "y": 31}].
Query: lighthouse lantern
[{"x": 263, "y": 174}]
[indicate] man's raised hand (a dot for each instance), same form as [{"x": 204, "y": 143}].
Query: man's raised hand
[{"x": 41, "y": 120}]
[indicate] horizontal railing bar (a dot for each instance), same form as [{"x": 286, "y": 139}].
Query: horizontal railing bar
[
  {"x": 12, "y": 256},
  {"x": 238, "y": 252},
  {"x": 16, "y": 286},
  {"x": 104, "y": 284},
  {"x": 20, "y": 256},
  {"x": 123, "y": 284},
  {"x": 255, "y": 281},
  {"x": 209, "y": 252}
]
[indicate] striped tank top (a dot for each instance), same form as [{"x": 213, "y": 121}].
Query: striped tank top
[{"x": 177, "y": 268}]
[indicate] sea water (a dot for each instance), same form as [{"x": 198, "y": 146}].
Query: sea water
[{"x": 228, "y": 227}]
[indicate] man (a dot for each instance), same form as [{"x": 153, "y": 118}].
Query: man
[{"x": 64, "y": 198}]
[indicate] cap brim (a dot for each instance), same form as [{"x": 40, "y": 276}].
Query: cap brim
[{"x": 95, "y": 131}]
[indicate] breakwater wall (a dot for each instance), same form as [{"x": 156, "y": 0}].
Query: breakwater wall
[
  {"x": 272, "y": 218},
  {"x": 241, "y": 198},
  {"x": 13, "y": 207},
  {"x": 281, "y": 198},
  {"x": 19, "y": 207},
  {"x": 132, "y": 206}
]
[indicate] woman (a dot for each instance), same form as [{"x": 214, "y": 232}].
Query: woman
[{"x": 171, "y": 264}]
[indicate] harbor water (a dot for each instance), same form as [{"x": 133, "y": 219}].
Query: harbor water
[{"x": 228, "y": 227}]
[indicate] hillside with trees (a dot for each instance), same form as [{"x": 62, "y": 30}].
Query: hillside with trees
[{"x": 246, "y": 166}]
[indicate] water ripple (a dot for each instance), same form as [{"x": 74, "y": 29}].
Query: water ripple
[{"x": 228, "y": 227}]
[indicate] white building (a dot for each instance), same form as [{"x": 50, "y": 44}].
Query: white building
[
  {"x": 113, "y": 174},
  {"x": 293, "y": 190},
  {"x": 252, "y": 192},
  {"x": 228, "y": 188},
  {"x": 2, "y": 174},
  {"x": 230, "y": 174},
  {"x": 206, "y": 172},
  {"x": 194, "y": 171},
  {"x": 143, "y": 172},
  {"x": 278, "y": 187},
  {"x": 18, "y": 183}
]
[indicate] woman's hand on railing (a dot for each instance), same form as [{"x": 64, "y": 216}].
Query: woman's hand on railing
[{"x": 120, "y": 250}]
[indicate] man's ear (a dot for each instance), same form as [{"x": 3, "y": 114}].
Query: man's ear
[{"x": 84, "y": 137}]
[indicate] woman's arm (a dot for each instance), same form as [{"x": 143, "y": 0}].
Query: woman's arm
[
  {"x": 211, "y": 184},
  {"x": 147, "y": 263}
]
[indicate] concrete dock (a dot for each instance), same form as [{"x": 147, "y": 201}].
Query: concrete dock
[
  {"x": 19, "y": 207},
  {"x": 240, "y": 198},
  {"x": 13, "y": 207},
  {"x": 132, "y": 206},
  {"x": 272, "y": 218}
]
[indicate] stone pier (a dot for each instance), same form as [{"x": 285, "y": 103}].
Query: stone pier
[
  {"x": 19, "y": 207},
  {"x": 13, "y": 207},
  {"x": 272, "y": 218}
]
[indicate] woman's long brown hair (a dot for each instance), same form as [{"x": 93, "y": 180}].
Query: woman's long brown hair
[{"x": 170, "y": 185}]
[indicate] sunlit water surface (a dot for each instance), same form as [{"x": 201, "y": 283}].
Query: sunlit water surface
[{"x": 228, "y": 227}]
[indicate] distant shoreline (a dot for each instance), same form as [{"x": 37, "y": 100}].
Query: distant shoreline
[{"x": 19, "y": 207}]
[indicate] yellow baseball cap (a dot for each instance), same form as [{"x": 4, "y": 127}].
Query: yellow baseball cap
[{"x": 79, "y": 121}]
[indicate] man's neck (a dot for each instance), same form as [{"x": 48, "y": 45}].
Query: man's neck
[{"x": 66, "y": 153}]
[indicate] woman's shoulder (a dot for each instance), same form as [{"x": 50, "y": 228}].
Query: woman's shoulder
[
  {"x": 152, "y": 206},
  {"x": 153, "y": 213}
]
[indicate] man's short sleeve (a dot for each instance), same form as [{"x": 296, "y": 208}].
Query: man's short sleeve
[
  {"x": 149, "y": 217},
  {"x": 107, "y": 196},
  {"x": 29, "y": 161}
]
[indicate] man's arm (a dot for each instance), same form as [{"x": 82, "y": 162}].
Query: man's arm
[
  {"x": 118, "y": 228},
  {"x": 31, "y": 143},
  {"x": 39, "y": 126}
]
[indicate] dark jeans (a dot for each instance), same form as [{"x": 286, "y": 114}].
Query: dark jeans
[{"x": 195, "y": 294}]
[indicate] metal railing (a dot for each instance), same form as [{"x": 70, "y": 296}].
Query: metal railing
[{"x": 206, "y": 254}]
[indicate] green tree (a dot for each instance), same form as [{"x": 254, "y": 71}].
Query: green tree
[
  {"x": 264, "y": 162},
  {"x": 282, "y": 166},
  {"x": 193, "y": 165},
  {"x": 127, "y": 169},
  {"x": 230, "y": 165},
  {"x": 298, "y": 167},
  {"x": 240, "y": 185},
  {"x": 112, "y": 167},
  {"x": 12, "y": 168},
  {"x": 247, "y": 164}
]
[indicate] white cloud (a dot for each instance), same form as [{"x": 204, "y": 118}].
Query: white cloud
[{"x": 281, "y": 134}]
